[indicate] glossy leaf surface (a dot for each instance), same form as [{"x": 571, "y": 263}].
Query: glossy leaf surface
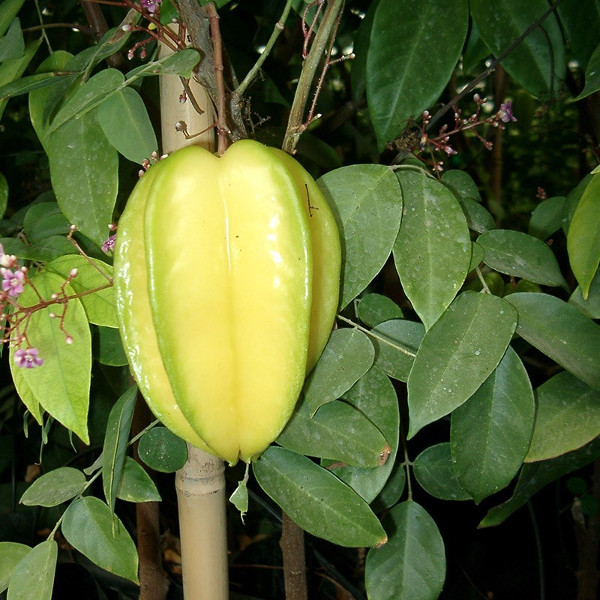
[
  {"x": 403, "y": 78},
  {"x": 561, "y": 332},
  {"x": 317, "y": 500},
  {"x": 491, "y": 431},
  {"x": 568, "y": 417},
  {"x": 367, "y": 203},
  {"x": 457, "y": 355},
  {"x": 433, "y": 250},
  {"x": 90, "y": 526},
  {"x": 412, "y": 564},
  {"x": 55, "y": 487}
]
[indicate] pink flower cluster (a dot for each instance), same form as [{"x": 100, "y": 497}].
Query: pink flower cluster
[{"x": 12, "y": 280}]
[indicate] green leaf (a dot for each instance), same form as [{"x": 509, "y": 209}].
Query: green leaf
[
  {"x": 581, "y": 21},
  {"x": 457, "y": 355},
  {"x": 30, "y": 83},
  {"x": 374, "y": 395},
  {"x": 568, "y": 417},
  {"x": 591, "y": 306},
  {"x": 561, "y": 332},
  {"x": 3, "y": 195},
  {"x": 92, "y": 274},
  {"x": 55, "y": 487},
  {"x": 47, "y": 249},
  {"x": 592, "y": 75},
  {"x": 583, "y": 239},
  {"x": 367, "y": 203},
  {"x": 107, "y": 347},
  {"x": 547, "y": 217},
  {"x": 126, "y": 124},
  {"x": 87, "y": 97},
  {"x": 376, "y": 308},
  {"x": 520, "y": 255},
  {"x": 538, "y": 62},
  {"x": 433, "y": 249},
  {"x": 337, "y": 431},
  {"x": 84, "y": 171},
  {"x": 535, "y": 476},
  {"x": 12, "y": 69},
  {"x": 62, "y": 383},
  {"x": 8, "y": 11},
  {"x": 25, "y": 393},
  {"x": 396, "y": 343},
  {"x": 413, "y": 563},
  {"x": 479, "y": 219},
  {"x": 179, "y": 63},
  {"x": 33, "y": 577},
  {"x": 573, "y": 198},
  {"x": 462, "y": 185},
  {"x": 347, "y": 356},
  {"x": 57, "y": 61},
  {"x": 136, "y": 485},
  {"x": 115, "y": 444},
  {"x": 401, "y": 78},
  {"x": 90, "y": 527},
  {"x": 44, "y": 220},
  {"x": 162, "y": 450},
  {"x": 12, "y": 45},
  {"x": 393, "y": 489},
  {"x": 491, "y": 431},
  {"x": 316, "y": 500},
  {"x": 433, "y": 470},
  {"x": 11, "y": 554}
]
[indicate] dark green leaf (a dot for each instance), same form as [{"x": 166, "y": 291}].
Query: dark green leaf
[
  {"x": 179, "y": 63},
  {"x": 108, "y": 348},
  {"x": 457, "y": 355},
  {"x": 317, "y": 500},
  {"x": 396, "y": 343},
  {"x": 162, "y": 450},
  {"x": 8, "y": 11},
  {"x": 433, "y": 250},
  {"x": 547, "y": 217},
  {"x": 592, "y": 75},
  {"x": 433, "y": 470},
  {"x": 413, "y": 563},
  {"x": 136, "y": 485},
  {"x": 491, "y": 431},
  {"x": 520, "y": 255},
  {"x": 115, "y": 444},
  {"x": 337, "y": 431},
  {"x": 10, "y": 555},
  {"x": 568, "y": 417},
  {"x": 367, "y": 203},
  {"x": 583, "y": 239},
  {"x": 376, "y": 308},
  {"x": 126, "y": 125},
  {"x": 402, "y": 79},
  {"x": 36, "y": 567},
  {"x": 12, "y": 45},
  {"x": 43, "y": 220},
  {"x": 347, "y": 356},
  {"x": 462, "y": 185},
  {"x": 561, "y": 332},
  {"x": 90, "y": 527},
  {"x": 84, "y": 170},
  {"x": 581, "y": 21},
  {"x": 535, "y": 476},
  {"x": 538, "y": 62},
  {"x": 590, "y": 307},
  {"x": 55, "y": 487}
]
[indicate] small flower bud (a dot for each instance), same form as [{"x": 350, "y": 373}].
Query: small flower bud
[
  {"x": 126, "y": 27},
  {"x": 73, "y": 273},
  {"x": 69, "y": 340},
  {"x": 54, "y": 296}
]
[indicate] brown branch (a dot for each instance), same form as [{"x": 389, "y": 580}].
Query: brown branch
[
  {"x": 294, "y": 566},
  {"x": 99, "y": 27}
]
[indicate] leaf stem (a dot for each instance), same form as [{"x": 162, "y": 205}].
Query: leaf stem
[{"x": 379, "y": 338}]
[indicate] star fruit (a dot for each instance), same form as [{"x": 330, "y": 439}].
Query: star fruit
[{"x": 227, "y": 274}]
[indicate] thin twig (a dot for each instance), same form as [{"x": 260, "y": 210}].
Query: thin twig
[{"x": 484, "y": 74}]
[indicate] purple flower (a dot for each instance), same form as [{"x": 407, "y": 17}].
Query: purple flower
[
  {"x": 505, "y": 113},
  {"x": 28, "y": 358},
  {"x": 150, "y": 5},
  {"x": 12, "y": 282},
  {"x": 109, "y": 244}
]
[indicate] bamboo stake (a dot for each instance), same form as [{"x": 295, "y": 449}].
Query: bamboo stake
[{"x": 200, "y": 484}]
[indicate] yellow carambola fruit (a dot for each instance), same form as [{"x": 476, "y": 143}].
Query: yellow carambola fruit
[{"x": 226, "y": 276}]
